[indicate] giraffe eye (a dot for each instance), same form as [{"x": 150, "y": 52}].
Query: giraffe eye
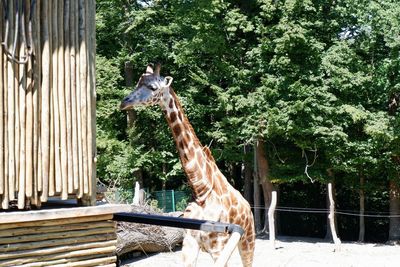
[{"x": 152, "y": 87}]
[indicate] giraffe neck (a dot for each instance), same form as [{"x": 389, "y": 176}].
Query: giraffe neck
[{"x": 196, "y": 160}]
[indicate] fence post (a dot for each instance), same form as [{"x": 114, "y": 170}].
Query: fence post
[
  {"x": 173, "y": 200},
  {"x": 331, "y": 217},
  {"x": 271, "y": 220}
]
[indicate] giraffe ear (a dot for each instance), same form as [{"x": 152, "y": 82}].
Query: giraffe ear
[
  {"x": 157, "y": 69},
  {"x": 149, "y": 69}
]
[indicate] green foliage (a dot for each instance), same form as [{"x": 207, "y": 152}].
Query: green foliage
[{"x": 312, "y": 78}]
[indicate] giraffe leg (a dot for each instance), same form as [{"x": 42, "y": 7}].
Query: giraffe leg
[
  {"x": 246, "y": 251},
  {"x": 190, "y": 250}
]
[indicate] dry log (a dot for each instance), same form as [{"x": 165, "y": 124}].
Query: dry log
[
  {"x": 147, "y": 238},
  {"x": 56, "y": 243}
]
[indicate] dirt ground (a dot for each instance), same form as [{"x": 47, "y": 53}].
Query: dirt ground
[{"x": 291, "y": 252}]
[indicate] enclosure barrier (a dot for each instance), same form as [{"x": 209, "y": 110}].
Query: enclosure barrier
[
  {"x": 203, "y": 225},
  {"x": 47, "y": 101},
  {"x": 84, "y": 236}
]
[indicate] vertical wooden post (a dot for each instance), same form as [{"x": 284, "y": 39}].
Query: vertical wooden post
[
  {"x": 271, "y": 219},
  {"x": 28, "y": 164},
  {"x": 21, "y": 132},
  {"x": 37, "y": 159},
  {"x": 55, "y": 95},
  {"x": 61, "y": 100},
  {"x": 11, "y": 111},
  {"x": 92, "y": 86},
  {"x": 45, "y": 100},
  {"x": 74, "y": 96},
  {"x": 5, "y": 196},
  {"x": 331, "y": 217},
  {"x": 83, "y": 90},
  {"x": 2, "y": 90},
  {"x": 67, "y": 86}
]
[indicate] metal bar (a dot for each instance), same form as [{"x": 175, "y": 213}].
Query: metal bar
[{"x": 178, "y": 222}]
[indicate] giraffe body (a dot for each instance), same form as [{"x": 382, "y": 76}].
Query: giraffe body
[{"x": 215, "y": 198}]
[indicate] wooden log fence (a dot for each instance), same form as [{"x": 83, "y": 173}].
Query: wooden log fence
[
  {"x": 83, "y": 236},
  {"x": 47, "y": 101}
]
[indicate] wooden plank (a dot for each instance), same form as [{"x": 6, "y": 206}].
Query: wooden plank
[
  {"x": 57, "y": 242},
  {"x": 106, "y": 261},
  {"x": 10, "y": 226},
  {"x": 58, "y": 228},
  {"x": 54, "y": 250},
  {"x": 57, "y": 235},
  {"x": 95, "y": 252},
  {"x": 43, "y": 215},
  {"x": 69, "y": 261}
]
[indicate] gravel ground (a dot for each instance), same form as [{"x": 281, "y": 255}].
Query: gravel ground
[{"x": 291, "y": 252}]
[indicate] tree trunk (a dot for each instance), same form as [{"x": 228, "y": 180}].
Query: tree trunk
[
  {"x": 394, "y": 223},
  {"x": 247, "y": 174},
  {"x": 256, "y": 193},
  {"x": 361, "y": 233},
  {"x": 132, "y": 114},
  {"x": 263, "y": 174}
]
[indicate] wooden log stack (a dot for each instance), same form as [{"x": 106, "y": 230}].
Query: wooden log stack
[
  {"x": 47, "y": 101},
  {"x": 63, "y": 237}
]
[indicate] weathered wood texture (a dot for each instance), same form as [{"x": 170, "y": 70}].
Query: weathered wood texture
[
  {"x": 47, "y": 126},
  {"x": 62, "y": 237}
]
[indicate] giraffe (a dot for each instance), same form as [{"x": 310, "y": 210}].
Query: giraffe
[{"x": 215, "y": 198}]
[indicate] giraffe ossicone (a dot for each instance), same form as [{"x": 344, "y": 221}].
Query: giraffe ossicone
[{"x": 215, "y": 198}]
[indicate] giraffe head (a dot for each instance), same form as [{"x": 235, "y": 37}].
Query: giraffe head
[{"x": 149, "y": 89}]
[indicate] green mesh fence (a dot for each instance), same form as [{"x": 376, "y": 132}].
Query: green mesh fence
[{"x": 171, "y": 200}]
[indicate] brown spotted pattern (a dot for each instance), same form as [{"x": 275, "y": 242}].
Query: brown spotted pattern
[{"x": 215, "y": 198}]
